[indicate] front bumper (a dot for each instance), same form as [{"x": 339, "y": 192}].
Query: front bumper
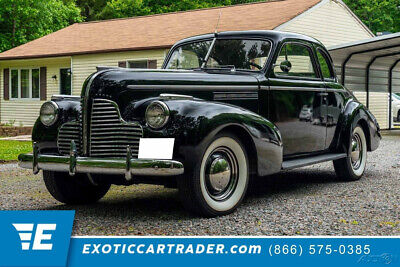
[{"x": 116, "y": 166}]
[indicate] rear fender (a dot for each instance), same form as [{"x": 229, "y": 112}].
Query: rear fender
[{"x": 357, "y": 114}]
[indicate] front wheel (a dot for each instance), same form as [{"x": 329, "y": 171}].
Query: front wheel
[
  {"x": 352, "y": 167},
  {"x": 219, "y": 182},
  {"x": 73, "y": 190}
]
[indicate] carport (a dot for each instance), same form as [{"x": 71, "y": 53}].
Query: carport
[{"x": 371, "y": 70}]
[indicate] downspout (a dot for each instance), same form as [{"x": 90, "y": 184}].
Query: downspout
[{"x": 72, "y": 75}]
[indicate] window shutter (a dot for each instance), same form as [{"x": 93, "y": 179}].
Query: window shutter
[
  {"x": 122, "y": 64},
  {"x": 152, "y": 64},
  {"x": 43, "y": 83},
  {"x": 6, "y": 88}
]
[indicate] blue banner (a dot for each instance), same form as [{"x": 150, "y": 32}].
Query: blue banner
[
  {"x": 43, "y": 238},
  {"x": 233, "y": 251}
]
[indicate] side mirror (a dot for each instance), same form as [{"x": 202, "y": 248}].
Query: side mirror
[{"x": 286, "y": 66}]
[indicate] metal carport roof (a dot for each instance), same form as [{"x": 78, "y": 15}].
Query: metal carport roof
[{"x": 378, "y": 53}]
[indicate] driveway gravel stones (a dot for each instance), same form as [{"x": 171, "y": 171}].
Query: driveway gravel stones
[{"x": 307, "y": 201}]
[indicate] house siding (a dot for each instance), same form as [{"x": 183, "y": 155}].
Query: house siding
[
  {"x": 330, "y": 22},
  {"x": 24, "y": 112},
  {"x": 84, "y": 65}
]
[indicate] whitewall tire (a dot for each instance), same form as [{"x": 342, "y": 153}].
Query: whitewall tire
[
  {"x": 219, "y": 182},
  {"x": 353, "y": 166}
]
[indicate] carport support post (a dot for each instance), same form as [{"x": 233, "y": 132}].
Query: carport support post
[
  {"x": 344, "y": 68},
  {"x": 390, "y": 92},
  {"x": 367, "y": 79}
]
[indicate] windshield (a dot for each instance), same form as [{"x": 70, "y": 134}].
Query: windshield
[
  {"x": 233, "y": 53},
  {"x": 396, "y": 96}
]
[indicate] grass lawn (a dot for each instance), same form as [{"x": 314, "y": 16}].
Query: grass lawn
[{"x": 9, "y": 150}]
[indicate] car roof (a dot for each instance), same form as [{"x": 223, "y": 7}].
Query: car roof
[{"x": 274, "y": 35}]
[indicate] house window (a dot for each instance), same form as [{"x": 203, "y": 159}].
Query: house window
[
  {"x": 65, "y": 81},
  {"x": 24, "y": 83},
  {"x": 35, "y": 83},
  {"x": 140, "y": 64},
  {"x": 14, "y": 83}
]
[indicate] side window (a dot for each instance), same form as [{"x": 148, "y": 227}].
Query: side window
[
  {"x": 295, "y": 60},
  {"x": 325, "y": 64}
]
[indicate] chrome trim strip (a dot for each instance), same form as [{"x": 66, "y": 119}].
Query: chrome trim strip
[
  {"x": 288, "y": 88},
  {"x": 235, "y": 95},
  {"x": 65, "y": 97},
  {"x": 142, "y": 167},
  {"x": 193, "y": 87},
  {"x": 175, "y": 97},
  {"x": 283, "y": 88}
]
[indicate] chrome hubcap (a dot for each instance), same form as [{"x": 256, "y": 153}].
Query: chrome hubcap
[
  {"x": 221, "y": 174},
  {"x": 356, "y": 151}
]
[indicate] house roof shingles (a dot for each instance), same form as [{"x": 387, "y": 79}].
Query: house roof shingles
[{"x": 158, "y": 31}]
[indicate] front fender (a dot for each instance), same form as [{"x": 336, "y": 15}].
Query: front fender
[
  {"x": 194, "y": 123},
  {"x": 46, "y": 136}
]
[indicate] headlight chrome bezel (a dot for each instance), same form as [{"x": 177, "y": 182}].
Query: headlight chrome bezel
[
  {"x": 56, "y": 111},
  {"x": 166, "y": 114}
]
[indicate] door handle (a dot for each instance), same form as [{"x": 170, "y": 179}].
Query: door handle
[{"x": 323, "y": 94}]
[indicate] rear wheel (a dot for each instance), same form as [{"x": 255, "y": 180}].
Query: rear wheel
[
  {"x": 219, "y": 182},
  {"x": 352, "y": 167},
  {"x": 73, "y": 190}
]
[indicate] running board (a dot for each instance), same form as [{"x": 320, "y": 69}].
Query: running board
[{"x": 298, "y": 163}]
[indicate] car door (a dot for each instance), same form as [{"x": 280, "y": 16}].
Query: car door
[
  {"x": 296, "y": 99},
  {"x": 335, "y": 98}
]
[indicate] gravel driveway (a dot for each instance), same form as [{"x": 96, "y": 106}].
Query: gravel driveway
[{"x": 307, "y": 201}]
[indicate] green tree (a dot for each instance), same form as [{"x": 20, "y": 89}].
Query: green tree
[
  {"x": 378, "y": 15},
  {"x": 90, "y": 8},
  {"x": 24, "y": 20},
  {"x": 130, "y": 8},
  {"x": 123, "y": 8},
  {"x": 164, "y": 6}
]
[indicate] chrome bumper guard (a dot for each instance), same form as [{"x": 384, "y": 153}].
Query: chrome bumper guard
[{"x": 75, "y": 164}]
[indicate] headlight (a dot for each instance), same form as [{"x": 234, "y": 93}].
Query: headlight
[
  {"x": 49, "y": 113},
  {"x": 157, "y": 114}
]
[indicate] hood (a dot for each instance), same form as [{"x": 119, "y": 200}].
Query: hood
[
  {"x": 121, "y": 85},
  {"x": 170, "y": 77}
]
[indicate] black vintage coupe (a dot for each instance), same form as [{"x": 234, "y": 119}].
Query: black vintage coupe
[{"x": 224, "y": 108}]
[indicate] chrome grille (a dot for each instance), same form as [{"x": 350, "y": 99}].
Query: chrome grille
[
  {"x": 109, "y": 133},
  {"x": 69, "y": 131}
]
